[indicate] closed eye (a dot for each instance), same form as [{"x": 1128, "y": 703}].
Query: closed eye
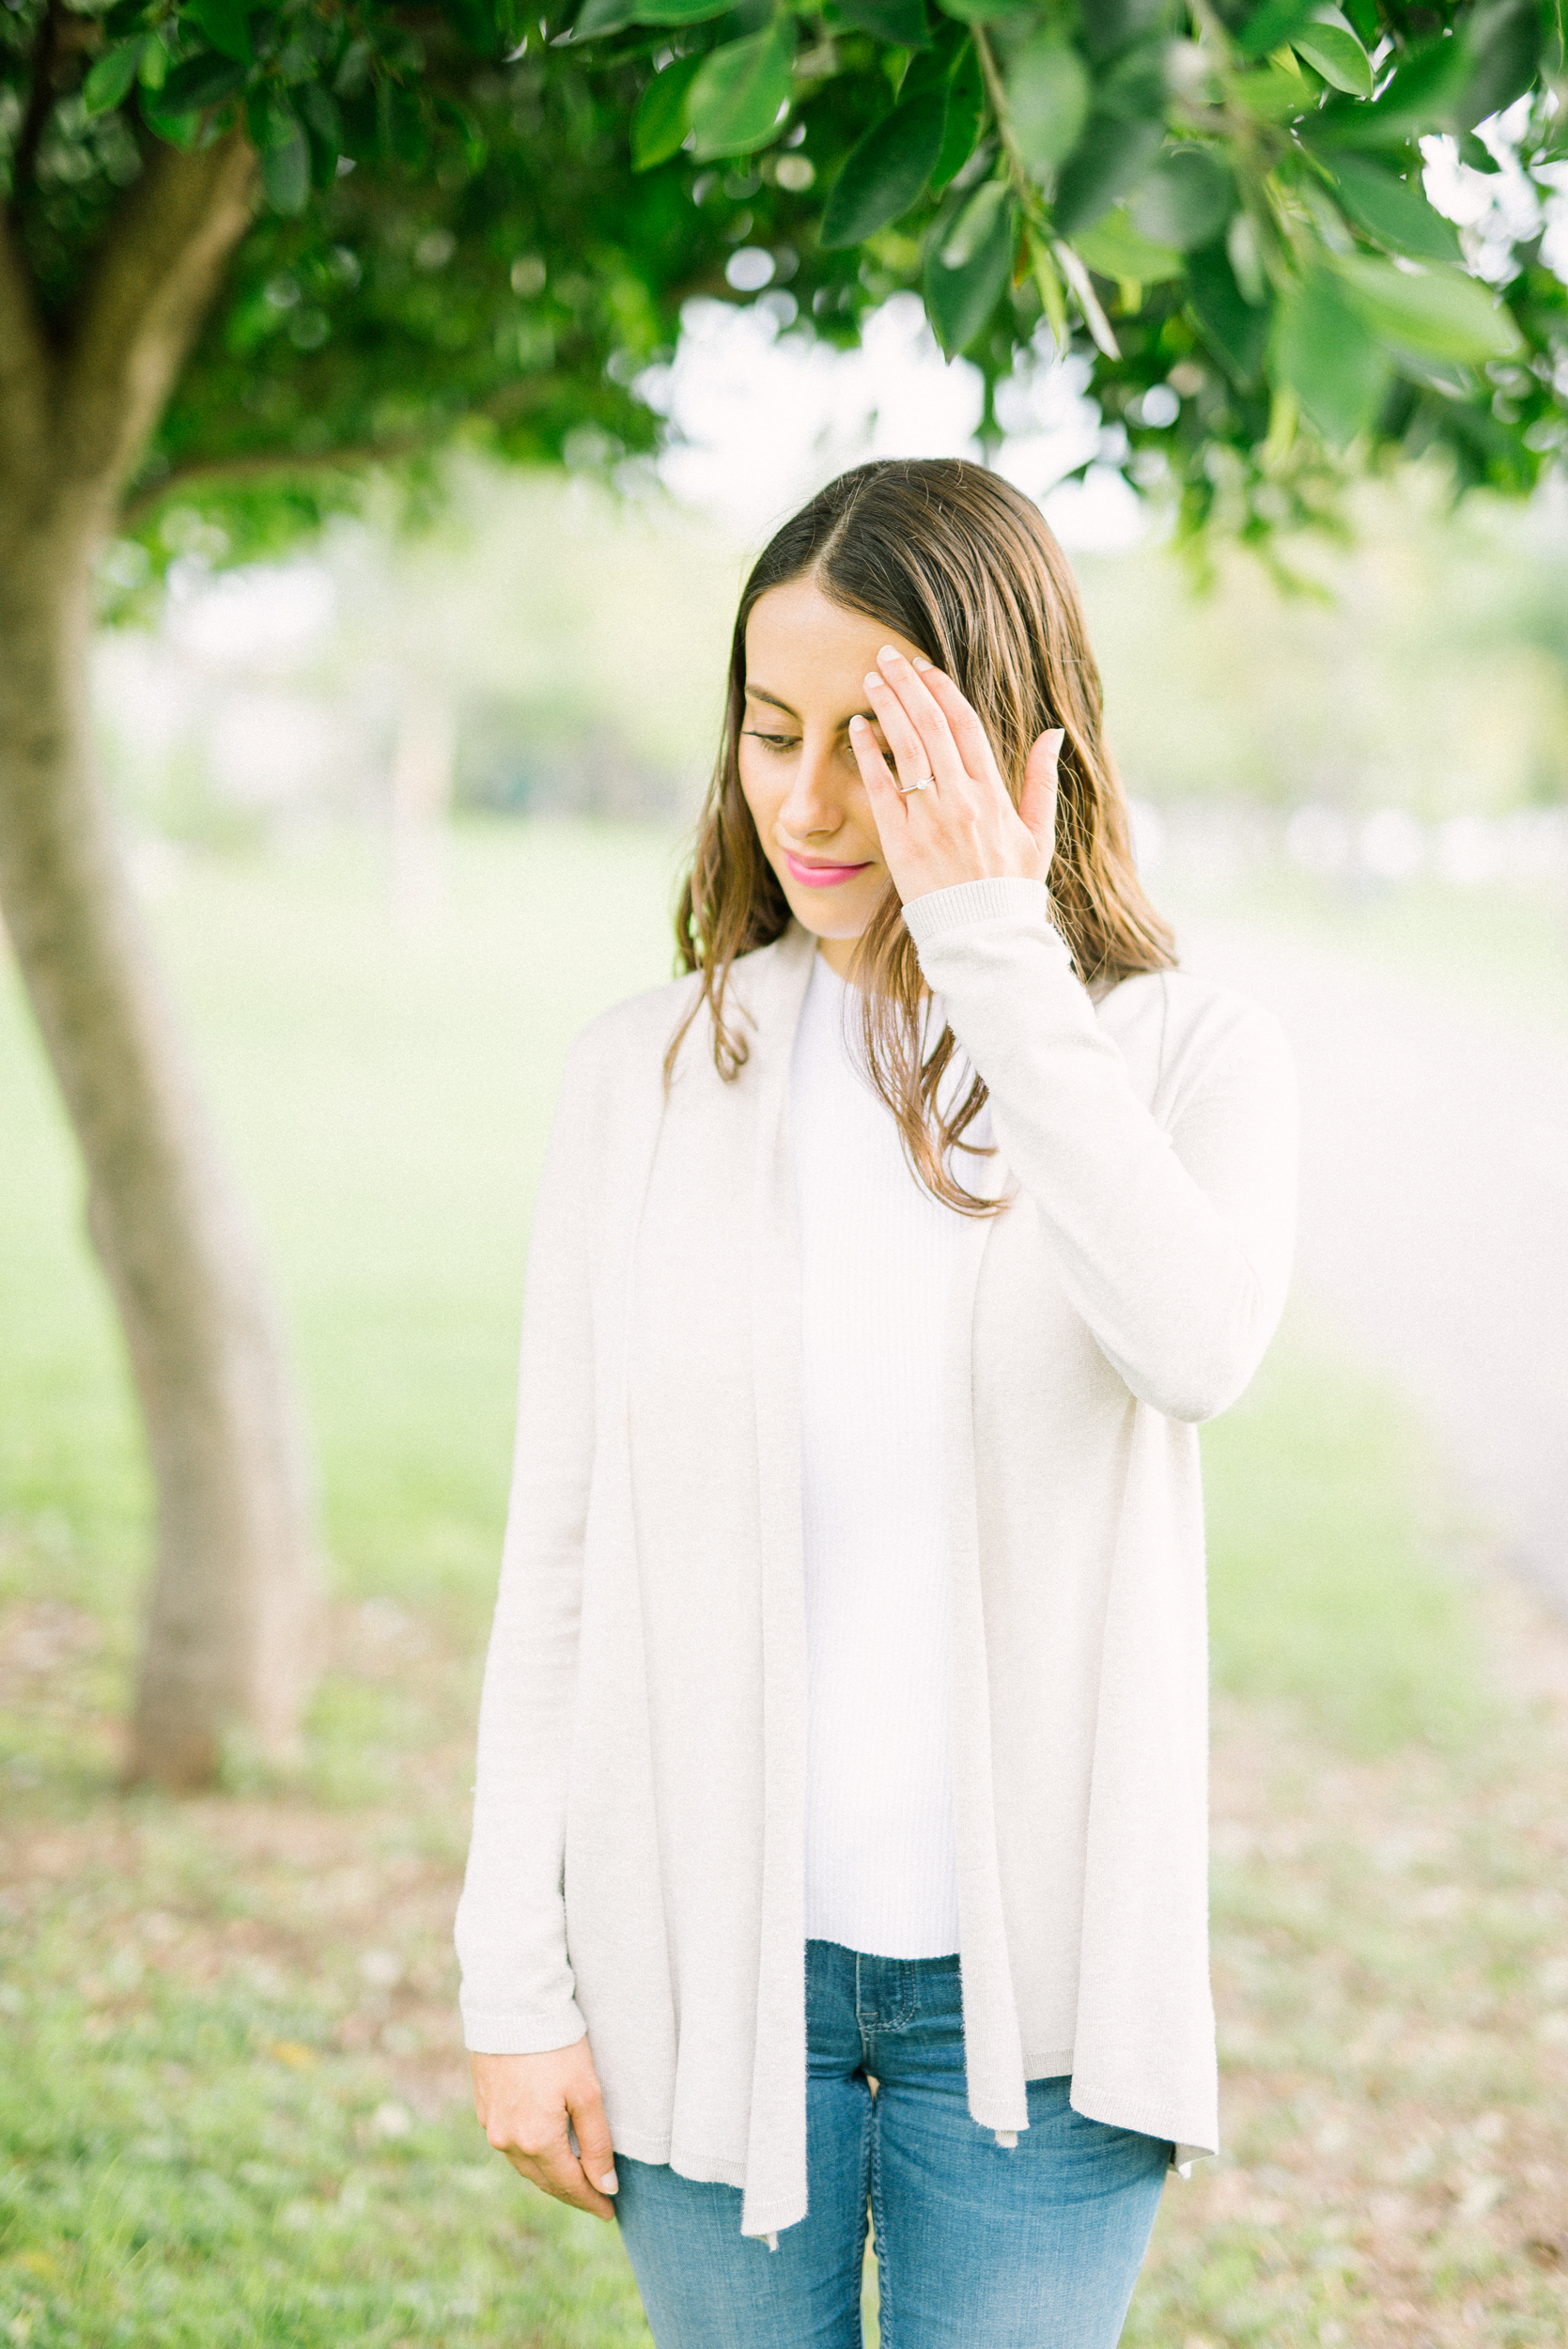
[{"x": 774, "y": 741}]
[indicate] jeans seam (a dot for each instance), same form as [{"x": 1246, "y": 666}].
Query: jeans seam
[
  {"x": 868, "y": 2143},
  {"x": 885, "y": 2321}
]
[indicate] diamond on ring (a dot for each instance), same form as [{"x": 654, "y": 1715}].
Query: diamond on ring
[{"x": 923, "y": 783}]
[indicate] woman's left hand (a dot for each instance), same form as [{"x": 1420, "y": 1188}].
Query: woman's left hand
[{"x": 963, "y": 825}]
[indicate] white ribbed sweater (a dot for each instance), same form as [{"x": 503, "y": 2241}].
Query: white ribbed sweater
[
  {"x": 637, "y": 1865},
  {"x": 877, "y": 1258}
]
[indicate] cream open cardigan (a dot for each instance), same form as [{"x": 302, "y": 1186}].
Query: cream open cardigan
[{"x": 637, "y": 1861}]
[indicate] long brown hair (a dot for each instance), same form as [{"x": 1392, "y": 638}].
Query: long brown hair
[{"x": 962, "y": 566}]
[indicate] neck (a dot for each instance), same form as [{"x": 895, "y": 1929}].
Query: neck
[{"x": 838, "y": 954}]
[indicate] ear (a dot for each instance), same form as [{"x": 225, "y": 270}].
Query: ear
[{"x": 1037, "y": 800}]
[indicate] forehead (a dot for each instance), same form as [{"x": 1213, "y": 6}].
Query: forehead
[{"x": 799, "y": 643}]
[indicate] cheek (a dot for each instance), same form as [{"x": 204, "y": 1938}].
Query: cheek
[{"x": 762, "y": 790}]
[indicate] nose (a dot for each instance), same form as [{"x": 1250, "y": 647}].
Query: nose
[{"x": 814, "y": 805}]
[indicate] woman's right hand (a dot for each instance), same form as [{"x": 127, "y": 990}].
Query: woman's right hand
[{"x": 526, "y": 2103}]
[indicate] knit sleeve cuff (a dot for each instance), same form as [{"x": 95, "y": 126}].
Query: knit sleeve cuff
[
  {"x": 931, "y": 917},
  {"x": 495, "y": 2031}
]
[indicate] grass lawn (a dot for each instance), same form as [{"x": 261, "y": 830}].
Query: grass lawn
[{"x": 232, "y": 2101}]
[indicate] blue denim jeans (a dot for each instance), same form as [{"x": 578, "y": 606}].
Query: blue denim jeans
[{"x": 1036, "y": 2246}]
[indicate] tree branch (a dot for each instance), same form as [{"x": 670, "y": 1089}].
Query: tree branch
[
  {"x": 26, "y": 367},
  {"x": 284, "y": 464},
  {"x": 144, "y": 304}
]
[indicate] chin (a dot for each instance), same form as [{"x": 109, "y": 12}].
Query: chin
[{"x": 823, "y": 925}]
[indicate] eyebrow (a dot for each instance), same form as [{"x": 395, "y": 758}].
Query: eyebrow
[{"x": 760, "y": 693}]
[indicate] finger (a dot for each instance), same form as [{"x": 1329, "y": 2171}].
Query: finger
[
  {"x": 556, "y": 2172},
  {"x": 888, "y": 804},
  {"x": 903, "y": 684},
  {"x": 911, "y": 755},
  {"x": 973, "y": 743},
  {"x": 1037, "y": 798},
  {"x": 594, "y": 2151}
]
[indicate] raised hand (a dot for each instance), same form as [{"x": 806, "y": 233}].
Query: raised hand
[{"x": 945, "y": 815}]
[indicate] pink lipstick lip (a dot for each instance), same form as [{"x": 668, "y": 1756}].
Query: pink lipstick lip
[{"x": 819, "y": 874}]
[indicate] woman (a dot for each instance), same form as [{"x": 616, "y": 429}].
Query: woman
[{"x": 840, "y": 1832}]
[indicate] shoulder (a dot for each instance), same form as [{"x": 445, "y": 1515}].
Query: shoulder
[
  {"x": 624, "y": 1048},
  {"x": 629, "y": 1029},
  {"x": 1188, "y": 1032}
]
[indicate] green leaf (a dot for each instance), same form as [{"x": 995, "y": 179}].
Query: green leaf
[
  {"x": 1443, "y": 314},
  {"x": 400, "y": 126},
  {"x": 678, "y": 11},
  {"x": 286, "y": 169},
  {"x": 352, "y": 77},
  {"x": 476, "y": 22},
  {"x": 224, "y": 26},
  {"x": 931, "y": 68},
  {"x": 1053, "y": 298},
  {"x": 1330, "y": 46},
  {"x": 319, "y": 109},
  {"x": 967, "y": 266},
  {"x": 1115, "y": 248},
  {"x": 1392, "y": 209},
  {"x": 1421, "y": 96},
  {"x": 740, "y": 92},
  {"x": 985, "y": 11},
  {"x": 1111, "y": 157},
  {"x": 972, "y": 225},
  {"x": 361, "y": 126},
  {"x": 153, "y": 71},
  {"x": 1234, "y": 330},
  {"x": 1323, "y": 349},
  {"x": 269, "y": 119},
  {"x": 110, "y": 77},
  {"x": 1275, "y": 92},
  {"x": 658, "y": 123},
  {"x": 1270, "y": 27},
  {"x": 1110, "y": 26},
  {"x": 476, "y": 147},
  {"x": 1504, "y": 41},
  {"x": 885, "y": 171},
  {"x": 966, "y": 113},
  {"x": 1186, "y": 200},
  {"x": 180, "y": 129},
  {"x": 1048, "y": 101},
  {"x": 900, "y": 22},
  {"x": 604, "y": 16},
  {"x": 324, "y": 129},
  {"x": 1476, "y": 152},
  {"x": 200, "y": 83},
  {"x": 1135, "y": 87}
]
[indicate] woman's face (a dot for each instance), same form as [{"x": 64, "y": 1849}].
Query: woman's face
[{"x": 806, "y": 664}]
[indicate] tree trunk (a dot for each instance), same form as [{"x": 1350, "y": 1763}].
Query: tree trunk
[{"x": 237, "y": 1590}]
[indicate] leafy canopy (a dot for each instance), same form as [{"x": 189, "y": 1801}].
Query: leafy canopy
[{"x": 476, "y": 219}]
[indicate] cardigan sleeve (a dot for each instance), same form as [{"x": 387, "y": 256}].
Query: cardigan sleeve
[
  {"x": 1174, "y": 1232},
  {"x": 519, "y": 1995}
]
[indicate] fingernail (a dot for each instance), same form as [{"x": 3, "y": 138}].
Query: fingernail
[
  {"x": 921, "y": 663},
  {"x": 873, "y": 682},
  {"x": 857, "y": 724},
  {"x": 1056, "y": 736},
  {"x": 608, "y": 2184},
  {"x": 889, "y": 652}
]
